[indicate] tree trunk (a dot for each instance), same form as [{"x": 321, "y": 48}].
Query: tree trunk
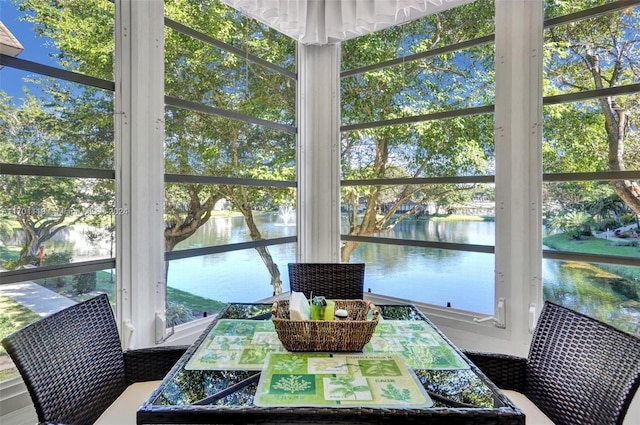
[
  {"x": 615, "y": 122},
  {"x": 180, "y": 227},
  {"x": 35, "y": 235},
  {"x": 276, "y": 282}
]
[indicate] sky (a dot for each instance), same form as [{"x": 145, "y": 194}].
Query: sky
[{"x": 35, "y": 49}]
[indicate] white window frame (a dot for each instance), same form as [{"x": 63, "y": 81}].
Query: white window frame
[{"x": 139, "y": 147}]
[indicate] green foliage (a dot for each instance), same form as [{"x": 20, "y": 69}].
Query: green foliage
[
  {"x": 628, "y": 218},
  {"x": 82, "y": 32},
  {"x": 63, "y": 257},
  {"x": 84, "y": 283},
  {"x": 178, "y": 313},
  {"x": 575, "y": 224}
]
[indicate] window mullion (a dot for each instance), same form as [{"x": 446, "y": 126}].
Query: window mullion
[
  {"x": 139, "y": 129},
  {"x": 518, "y": 133}
]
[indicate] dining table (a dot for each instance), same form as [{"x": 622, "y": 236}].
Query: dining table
[{"x": 237, "y": 371}]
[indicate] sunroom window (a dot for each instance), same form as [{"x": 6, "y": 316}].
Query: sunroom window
[
  {"x": 418, "y": 158},
  {"x": 230, "y": 195},
  {"x": 57, "y": 191},
  {"x": 591, "y": 160}
]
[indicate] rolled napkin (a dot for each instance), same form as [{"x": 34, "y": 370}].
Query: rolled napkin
[
  {"x": 299, "y": 306},
  {"x": 341, "y": 314}
]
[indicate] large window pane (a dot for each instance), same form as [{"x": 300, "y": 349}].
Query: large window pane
[
  {"x": 590, "y": 138},
  {"x": 230, "y": 158},
  {"x": 412, "y": 117},
  {"x": 57, "y": 196}
]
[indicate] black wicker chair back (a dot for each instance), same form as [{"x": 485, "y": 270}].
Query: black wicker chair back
[
  {"x": 340, "y": 281},
  {"x": 580, "y": 370},
  {"x": 73, "y": 364}
]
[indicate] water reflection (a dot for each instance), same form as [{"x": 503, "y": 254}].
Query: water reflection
[
  {"x": 464, "y": 280},
  {"x": 593, "y": 291}
]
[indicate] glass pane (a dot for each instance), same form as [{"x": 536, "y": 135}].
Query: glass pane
[
  {"x": 205, "y": 283},
  {"x": 589, "y": 217},
  {"x": 460, "y": 146},
  {"x": 201, "y": 144},
  {"x": 438, "y": 213},
  {"x": 49, "y": 220},
  {"x": 431, "y": 276},
  {"x": 227, "y": 225},
  {"x": 452, "y": 26},
  {"x": 586, "y": 137},
  {"x": 229, "y": 26},
  {"x": 457, "y": 80},
  {"x": 54, "y": 123},
  {"x": 73, "y": 35},
  {"x": 25, "y": 302},
  {"x": 202, "y": 73},
  {"x": 594, "y": 53},
  {"x": 606, "y": 292}
]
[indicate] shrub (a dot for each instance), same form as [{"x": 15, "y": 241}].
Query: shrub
[
  {"x": 609, "y": 224},
  {"x": 63, "y": 257},
  {"x": 627, "y": 218},
  {"x": 83, "y": 283},
  {"x": 178, "y": 313}
]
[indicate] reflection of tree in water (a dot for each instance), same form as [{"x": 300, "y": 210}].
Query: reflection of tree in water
[
  {"x": 399, "y": 312},
  {"x": 244, "y": 311},
  {"x": 190, "y": 386},
  {"x": 462, "y": 386},
  {"x": 594, "y": 292}
]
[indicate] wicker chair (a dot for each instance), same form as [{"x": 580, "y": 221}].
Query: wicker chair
[
  {"x": 579, "y": 370},
  {"x": 74, "y": 367},
  {"x": 340, "y": 281}
]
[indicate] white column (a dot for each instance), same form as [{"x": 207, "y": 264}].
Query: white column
[
  {"x": 139, "y": 134},
  {"x": 318, "y": 215},
  {"x": 518, "y": 135}
]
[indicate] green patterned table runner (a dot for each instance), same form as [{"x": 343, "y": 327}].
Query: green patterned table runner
[
  {"x": 419, "y": 343},
  {"x": 235, "y": 344},
  {"x": 339, "y": 380}
]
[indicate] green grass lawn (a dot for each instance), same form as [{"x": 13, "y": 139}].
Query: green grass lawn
[
  {"x": 14, "y": 316},
  {"x": 591, "y": 245}
]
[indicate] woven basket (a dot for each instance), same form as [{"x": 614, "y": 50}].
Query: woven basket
[{"x": 326, "y": 335}]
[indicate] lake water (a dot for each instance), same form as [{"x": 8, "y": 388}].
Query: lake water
[{"x": 463, "y": 280}]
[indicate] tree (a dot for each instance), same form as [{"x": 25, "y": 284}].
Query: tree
[
  {"x": 451, "y": 147},
  {"x": 203, "y": 144},
  {"x": 42, "y": 206},
  {"x": 598, "y": 53},
  {"x": 196, "y": 144}
]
